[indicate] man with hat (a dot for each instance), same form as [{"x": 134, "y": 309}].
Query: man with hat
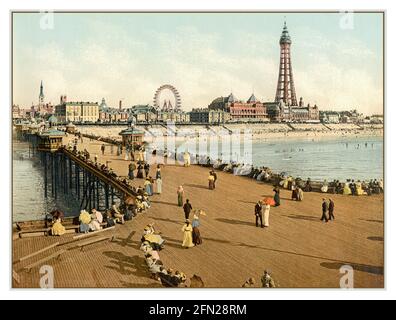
[{"x": 258, "y": 212}]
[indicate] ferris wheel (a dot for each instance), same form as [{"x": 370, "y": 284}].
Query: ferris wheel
[{"x": 167, "y": 106}]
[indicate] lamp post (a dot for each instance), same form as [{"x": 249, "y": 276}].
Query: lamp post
[{"x": 132, "y": 124}]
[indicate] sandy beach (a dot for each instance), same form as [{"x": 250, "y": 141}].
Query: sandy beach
[
  {"x": 258, "y": 132},
  {"x": 300, "y": 250}
]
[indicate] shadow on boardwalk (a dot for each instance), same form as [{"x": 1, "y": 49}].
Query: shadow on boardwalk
[
  {"x": 302, "y": 217},
  {"x": 234, "y": 221},
  {"x": 127, "y": 265},
  {"x": 165, "y": 203},
  {"x": 198, "y": 186},
  {"x": 375, "y": 238},
  {"x": 359, "y": 267}
]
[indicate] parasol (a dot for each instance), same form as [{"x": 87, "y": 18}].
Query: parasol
[
  {"x": 269, "y": 201},
  {"x": 200, "y": 212}
]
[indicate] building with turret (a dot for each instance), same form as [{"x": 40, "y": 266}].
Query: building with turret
[{"x": 251, "y": 110}]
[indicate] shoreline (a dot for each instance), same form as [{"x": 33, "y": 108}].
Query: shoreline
[{"x": 268, "y": 132}]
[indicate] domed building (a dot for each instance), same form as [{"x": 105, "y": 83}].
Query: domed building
[
  {"x": 103, "y": 105},
  {"x": 251, "y": 110},
  {"x": 53, "y": 121}
]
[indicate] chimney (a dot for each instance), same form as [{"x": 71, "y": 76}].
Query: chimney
[{"x": 120, "y": 105}]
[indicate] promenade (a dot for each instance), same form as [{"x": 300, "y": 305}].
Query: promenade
[{"x": 300, "y": 250}]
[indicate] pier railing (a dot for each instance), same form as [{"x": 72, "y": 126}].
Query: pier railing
[{"x": 105, "y": 178}]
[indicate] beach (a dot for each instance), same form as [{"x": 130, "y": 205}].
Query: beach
[
  {"x": 300, "y": 250},
  {"x": 259, "y": 132}
]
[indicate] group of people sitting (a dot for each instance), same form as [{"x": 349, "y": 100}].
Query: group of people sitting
[
  {"x": 90, "y": 221},
  {"x": 350, "y": 187},
  {"x": 95, "y": 220},
  {"x": 358, "y": 188},
  {"x": 152, "y": 243}
]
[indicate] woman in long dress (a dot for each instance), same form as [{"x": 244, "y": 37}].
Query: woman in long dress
[
  {"x": 139, "y": 171},
  {"x": 159, "y": 185},
  {"x": 266, "y": 215},
  {"x": 300, "y": 194},
  {"x": 187, "y": 240},
  {"x": 196, "y": 235},
  {"x": 147, "y": 186},
  {"x": 180, "y": 194}
]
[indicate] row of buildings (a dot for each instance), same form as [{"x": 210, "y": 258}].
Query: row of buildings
[
  {"x": 352, "y": 116},
  {"x": 221, "y": 110}
]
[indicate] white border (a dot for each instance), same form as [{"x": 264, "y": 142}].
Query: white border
[{"x": 174, "y": 5}]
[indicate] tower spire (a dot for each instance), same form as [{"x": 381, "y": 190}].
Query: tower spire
[
  {"x": 285, "y": 90},
  {"x": 41, "y": 95}
]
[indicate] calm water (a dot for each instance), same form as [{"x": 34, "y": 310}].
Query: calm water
[
  {"x": 332, "y": 158},
  {"x": 355, "y": 158},
  {"x": 328, "y": 159},
  {"x": 29, "y": 202}
]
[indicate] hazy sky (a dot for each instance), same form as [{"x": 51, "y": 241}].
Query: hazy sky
[{"x": 336, "y": 64}]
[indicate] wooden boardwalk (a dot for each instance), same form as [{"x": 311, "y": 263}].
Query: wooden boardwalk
[{"x": 300, "y": 250}]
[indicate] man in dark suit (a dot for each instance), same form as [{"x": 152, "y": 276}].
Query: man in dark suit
[
  {"x": 215, "y": 178},
  {"x": 187, "y": 209},
  {"x": 331, "y": 210},
  {"x": 325, "y": 208},
  {"x": 258, "y": 212}
]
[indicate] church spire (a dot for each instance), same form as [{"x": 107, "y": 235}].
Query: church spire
[{"x": 41, "y": 95}]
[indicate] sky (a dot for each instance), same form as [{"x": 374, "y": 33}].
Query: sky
[{"x": 337, "y": 58}]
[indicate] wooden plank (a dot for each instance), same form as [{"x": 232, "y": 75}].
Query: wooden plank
[
  {"x": 38, "y": 252},
  {"x": 16, "y": 276},
  {"x": 81, "y": 245},
  {"x": 34, "y": 230},
  {"x": 32, "y": 234},
  {"x": 54, "y": 255},
  {"x": 90, "y": 241},
  {"x": 92, "y": 233},
  {"x": 70, "y": 231}
]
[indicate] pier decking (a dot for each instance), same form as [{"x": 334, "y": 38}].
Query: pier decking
[{"x": 300, "y": 250}]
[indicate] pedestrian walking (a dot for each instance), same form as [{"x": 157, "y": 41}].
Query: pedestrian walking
[
  {"x": 180, "y": 194},
  {"x": 325, "y": 208},
  {"x": 131, "y": 169},
  {"x": 331, "y": 210},
  {"x": 187, "y": 209},
  {"x": 258, "y": 212}
]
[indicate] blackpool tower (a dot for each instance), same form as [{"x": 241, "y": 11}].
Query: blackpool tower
[{"x": 285, "y": 90}]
